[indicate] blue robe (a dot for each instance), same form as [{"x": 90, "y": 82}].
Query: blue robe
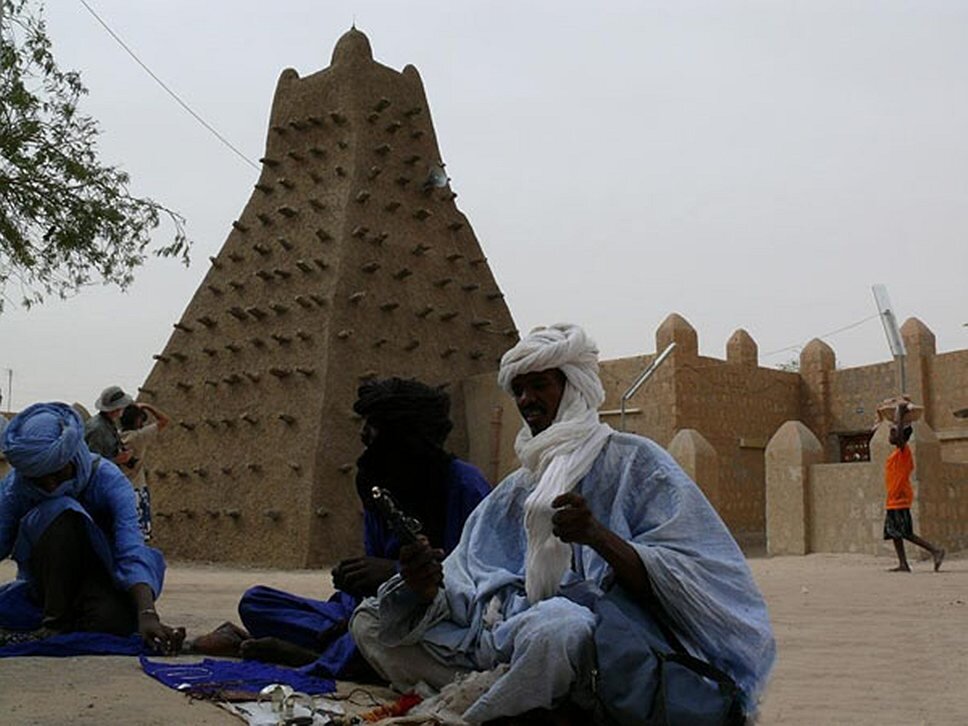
[
  {"x": 105, "y": 499},
  {"x": 482, "y": 616},
  {"x": 267, "y": 612}
]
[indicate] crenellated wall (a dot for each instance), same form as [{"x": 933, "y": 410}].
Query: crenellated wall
[
  {"x": 733, "y": 404},
  {"x": 843, "y": 504},
  {"x": 854, "y": 394},
  {"x": 717, "y": 416},
  {"x": 938, "y": 382},
  {"x": 949, "y": 393}
]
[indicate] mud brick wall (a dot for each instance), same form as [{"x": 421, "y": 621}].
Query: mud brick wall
[
  {"x": 855, "y": 393},
  {"x": 493, "y": 423},
  {"x": 350, "y": 261},
  {"x": 651, "y": 412},
  {"x": 737, "y": 409},
  {"x": 737, "y": 406},
  {"x": 937, "y": 382},
  {"x": 942, "y": 491},
  {"x": 846, "y": 503},
  {"x": 843, "y": 504},
  {"x": 823, "y": 507},
  {"x": 949, "y": 393},
  {"x": 946, "y": 511}
]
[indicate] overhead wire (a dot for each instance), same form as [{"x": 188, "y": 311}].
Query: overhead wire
[
  {"x": 825, "y": 335},
  {"x": 168, "y": 90}
]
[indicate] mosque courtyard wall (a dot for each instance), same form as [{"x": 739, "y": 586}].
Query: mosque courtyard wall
[
  {"x": 718, "y": 417},
  {"x": 948, "y": 394},
  {"x": 843, "y": 503}
]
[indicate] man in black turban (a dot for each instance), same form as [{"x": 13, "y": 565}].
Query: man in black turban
[{"x": 406, "y": 423}]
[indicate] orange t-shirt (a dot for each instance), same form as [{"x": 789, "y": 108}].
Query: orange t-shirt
[{"x": 897, "y": 479}]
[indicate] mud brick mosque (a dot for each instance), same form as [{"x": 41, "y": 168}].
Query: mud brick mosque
[{"x": 351, "y": 260}]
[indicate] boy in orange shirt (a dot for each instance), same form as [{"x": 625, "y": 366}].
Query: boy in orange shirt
[{"x": 900, "y": 495}]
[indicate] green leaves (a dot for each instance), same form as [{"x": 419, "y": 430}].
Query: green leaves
[{"x": 66, "y": 221}]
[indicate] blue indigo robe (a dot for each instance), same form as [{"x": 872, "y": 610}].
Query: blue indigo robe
[
  {"x": 105, "y": 499},
  {"x": 267, "y": 612}
]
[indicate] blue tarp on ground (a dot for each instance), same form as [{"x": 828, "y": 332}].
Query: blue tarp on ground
[{"x": 71, "y": 644}]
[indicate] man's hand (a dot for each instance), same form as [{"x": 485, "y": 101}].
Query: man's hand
[
  {"x": 362, "y": 576},
  {"x": 421, "y": 569},
  {"x": 573, "y": 522},
  {"x": 158, "y": 636}
]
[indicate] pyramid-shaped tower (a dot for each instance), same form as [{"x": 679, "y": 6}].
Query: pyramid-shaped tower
[{"x": 350, "y": 260}]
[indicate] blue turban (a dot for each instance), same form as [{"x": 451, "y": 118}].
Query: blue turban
[{"x": 44, "y": 438}]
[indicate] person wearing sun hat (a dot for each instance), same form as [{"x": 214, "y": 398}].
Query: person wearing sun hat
[{"x": 101, "y": 430}]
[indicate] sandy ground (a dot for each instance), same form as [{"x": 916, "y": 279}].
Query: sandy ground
[{"x": 857, "y": 645}]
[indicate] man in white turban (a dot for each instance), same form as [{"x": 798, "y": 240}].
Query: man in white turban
[{"x": 589, "y": 507}]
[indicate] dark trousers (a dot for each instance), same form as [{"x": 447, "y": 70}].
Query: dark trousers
[{"x": 73, "y": 585}]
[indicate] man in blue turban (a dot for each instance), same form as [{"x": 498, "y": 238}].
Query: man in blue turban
[{"x": 70, "y": 521}]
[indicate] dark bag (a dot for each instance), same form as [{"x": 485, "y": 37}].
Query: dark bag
[{"x": 638, "y": 682}]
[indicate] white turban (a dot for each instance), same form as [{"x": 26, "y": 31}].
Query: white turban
[{"x": 558, "y": 457}]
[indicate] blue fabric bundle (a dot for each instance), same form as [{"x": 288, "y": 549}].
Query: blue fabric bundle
[{"x": 211, "y": 677}]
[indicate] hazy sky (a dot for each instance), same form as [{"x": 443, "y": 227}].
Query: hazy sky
[{"x": 746, "y": 164}]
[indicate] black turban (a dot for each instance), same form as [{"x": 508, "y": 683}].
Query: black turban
[{"x": 405, "y": 405}]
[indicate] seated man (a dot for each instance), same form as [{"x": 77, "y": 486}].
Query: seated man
[
  {"x": 70, "y": 521},
  {"x": 405, "y": 425},
  {"x": 589, "y": 505}
]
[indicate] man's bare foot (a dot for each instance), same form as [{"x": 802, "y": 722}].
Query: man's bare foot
[
  {"x": 224, "y": 641},
  {"x": 900, "y": 568},
  {"x": 276, "y": 650},
  {"x": 938, "y": 556}
]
